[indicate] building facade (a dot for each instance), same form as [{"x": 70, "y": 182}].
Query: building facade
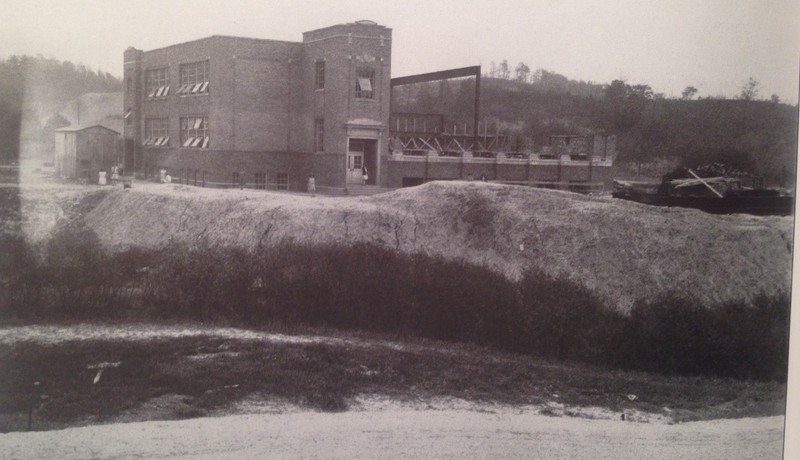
[{"x": 228, "y": 111}]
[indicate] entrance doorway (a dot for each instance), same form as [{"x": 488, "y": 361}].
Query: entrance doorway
[{"x": 360, "y": 153}]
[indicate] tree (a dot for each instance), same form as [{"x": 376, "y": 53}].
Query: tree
[
  {"x": 503, "y": 71},
  {"x": 688, "y": 93},
  {"x": 522, "y": 70},
  {"x": 775, "y": 99},
  {"x": 750, "y": 90}
]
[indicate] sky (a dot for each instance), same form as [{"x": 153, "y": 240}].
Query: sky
[{"x": 713, "y": 45}]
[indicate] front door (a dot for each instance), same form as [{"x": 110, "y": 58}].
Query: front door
[{"x": 355, "y": 161}]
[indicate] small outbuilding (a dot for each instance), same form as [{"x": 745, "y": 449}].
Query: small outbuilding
[{"x": 81, "y": 152}]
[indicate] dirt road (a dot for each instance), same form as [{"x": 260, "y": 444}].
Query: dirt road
[
  {"x": 377, "y": 428},
  {"x": 405, "y": 433}
]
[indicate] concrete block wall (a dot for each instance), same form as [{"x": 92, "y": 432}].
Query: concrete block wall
[{"x": 517, "y": 171}]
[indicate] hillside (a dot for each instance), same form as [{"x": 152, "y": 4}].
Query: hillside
[
  {"x": 622, "y": 250},
  {"x": 654, "y": 133},
  {"x": 34, "y": 88}
]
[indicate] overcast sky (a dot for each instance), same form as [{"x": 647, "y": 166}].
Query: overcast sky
[{"x": 714, "y": 45}]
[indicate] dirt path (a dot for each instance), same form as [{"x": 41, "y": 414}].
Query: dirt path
[
  {"x": 404, "y": 433},
  {"x": 375, "y": 428}
]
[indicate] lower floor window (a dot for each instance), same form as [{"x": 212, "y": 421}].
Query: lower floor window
[
  {"x": 236, "y": 179},
  {"x": 261, "y": 181},
  {"x": 194, "y": 132},
  {"x": 283, "y": 181}
]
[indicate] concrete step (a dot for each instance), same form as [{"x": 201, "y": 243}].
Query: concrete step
[{"x": 365, "y": 190}]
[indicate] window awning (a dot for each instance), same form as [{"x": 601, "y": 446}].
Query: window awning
[{"x": 365, "y": 84}]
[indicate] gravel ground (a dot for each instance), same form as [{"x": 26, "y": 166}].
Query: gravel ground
[{"x": 405, "y": 433}]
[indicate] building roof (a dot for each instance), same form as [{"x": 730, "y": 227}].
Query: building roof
[
  {"x": 94, "y": 108},
  {"x": 74, "y": 129}
]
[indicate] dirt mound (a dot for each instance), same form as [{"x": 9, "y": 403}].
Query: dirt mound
[{"x": 623, "y": 250}]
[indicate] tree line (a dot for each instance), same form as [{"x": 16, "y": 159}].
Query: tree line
[
  {"x": 654, "y": 134},
  {"x": 57, "y": 81}
]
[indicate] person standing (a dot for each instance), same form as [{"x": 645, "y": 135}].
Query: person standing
[
  {"x": 312, "y": 185},
  {"x": 364, "y": 175}
]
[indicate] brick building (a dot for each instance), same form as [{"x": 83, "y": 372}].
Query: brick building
[{"x": 223, "y": 111}]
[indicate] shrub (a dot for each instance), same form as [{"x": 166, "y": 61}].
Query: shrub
[
  {"x": 20, "y": 278},
  {"x": 677, "y": 335},
  {"x": 565, "y": 320},
  {"x": 369, "y": 287}
]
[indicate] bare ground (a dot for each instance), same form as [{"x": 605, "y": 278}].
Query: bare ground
[
  {"x": 382, "y": 424},
  {"x": 402, "y": 432}
]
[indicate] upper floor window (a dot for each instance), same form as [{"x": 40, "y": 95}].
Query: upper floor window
[
  {"x": 156, "y": 131},
  {"x": 194, "y": 78},
  {"x": 157, "y": 82},
  {"x": 319, "y": 75},
  {"x": 365, "y": 81},
  {"x": 319, "y": 135},
  {"x": 194, "y": 132}
]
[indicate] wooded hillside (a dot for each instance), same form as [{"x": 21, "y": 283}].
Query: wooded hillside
[
  {"x": 654, "y": 133},
  {"x": 32, "y": 88}
]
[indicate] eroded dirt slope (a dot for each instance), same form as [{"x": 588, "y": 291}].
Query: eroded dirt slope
[{"x": 625, "y": 251}]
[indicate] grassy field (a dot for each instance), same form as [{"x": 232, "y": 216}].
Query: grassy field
[{"x": 174, "y": 378}]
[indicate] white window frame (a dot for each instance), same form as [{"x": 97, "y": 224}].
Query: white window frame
[
  {"x": 156, "y": 132},
  {"x": 156, "y": 83},
  {"x": 194, "y": 132},
  {"x": 194, "y": 78}
]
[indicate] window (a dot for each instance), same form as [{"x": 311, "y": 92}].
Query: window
[
  {"x": 236, "y": 179},
  {"x": 319, "y": 72},
  {"x": 261, "y": 181},
  {"x": 156, "y": 132},
  {"x": 283, "y": 181},
  {"x": 365, "y": 81},
  {"x": 194, "y": 132},
  {"x": 194, "y": 78},
  {"x": 319, "y": 135},
  {"x": 157, "y": 83}
]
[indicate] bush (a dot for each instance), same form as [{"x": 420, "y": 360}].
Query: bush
[
  {"x": 565, "y": 320},
  {"x": 368, "y": 287},
  {"x": 676, "y": 335}
]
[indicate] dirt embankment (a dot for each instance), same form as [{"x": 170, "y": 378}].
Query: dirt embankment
[{"x": 624, "y": 251}]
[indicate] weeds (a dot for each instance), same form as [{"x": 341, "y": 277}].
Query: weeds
[{"x": 367, "y": 287}]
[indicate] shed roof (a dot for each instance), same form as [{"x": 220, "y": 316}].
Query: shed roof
[{"x": 73, "y": 129}]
